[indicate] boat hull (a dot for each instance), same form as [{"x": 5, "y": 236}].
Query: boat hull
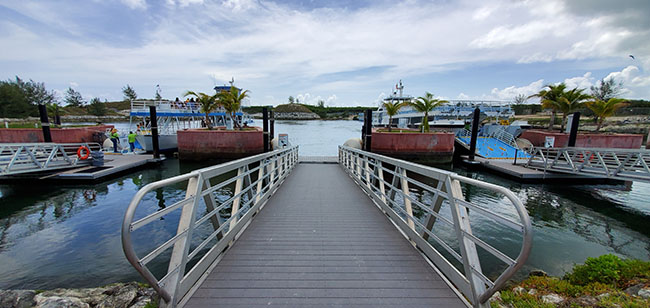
[{"x": 165, "y": 142}]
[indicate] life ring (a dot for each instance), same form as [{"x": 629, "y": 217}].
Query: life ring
[{"x": 86, "y": 154}]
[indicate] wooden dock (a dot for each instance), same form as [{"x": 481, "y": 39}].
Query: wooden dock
[
  {"x": 113, "y": 165},
  {"x": 320, "y": 241}
]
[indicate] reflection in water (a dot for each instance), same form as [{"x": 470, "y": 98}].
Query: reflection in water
[{"x": 69, "y": 236}]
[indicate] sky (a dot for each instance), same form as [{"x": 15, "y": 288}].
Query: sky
[{"x": 346, "y": 53}]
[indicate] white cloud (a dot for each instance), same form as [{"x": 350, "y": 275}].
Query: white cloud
[
  {"x": 135, "y": 4},
  {"x": 583, "y": 82},
  {"x": 512, "y": 91},
  {"x": 73, "y": 84},
  {"x": 184, "y": 3}
]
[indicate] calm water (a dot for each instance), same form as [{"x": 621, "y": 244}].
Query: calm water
[{"x": 69, "y": 236}]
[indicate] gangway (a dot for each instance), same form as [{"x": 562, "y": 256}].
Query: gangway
[
  {"x": 618, "y": 164},
  {"x": 19, "y": 158},
  {"x": 497, "y": 145},
  {"x": 327, "y": 236}
]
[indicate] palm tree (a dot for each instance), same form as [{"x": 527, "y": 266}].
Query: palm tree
[
  {"x": 391, "y": 109},
  {"x": 425, "y": 104},
  {"x": 550, "y": 99},
  {"x": 231, "y": 101},
  {"x": 208, "y": 104},
  {"x": 603, "y": 109},
  {"x": 570, "y": 102}
]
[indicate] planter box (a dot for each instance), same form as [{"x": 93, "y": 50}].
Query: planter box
[
  {"x": 203, "y": 144},
  {"x": 616, "y": 141},
  {"x": 59, "y": 135},
  {"x": 428, "y": 148}
]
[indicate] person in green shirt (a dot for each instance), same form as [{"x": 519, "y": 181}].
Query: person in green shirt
[
  {"x": 131, "y": 137},
  {"x": 115, "y": 137}
]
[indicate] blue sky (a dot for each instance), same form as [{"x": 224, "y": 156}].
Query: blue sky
[{"x": 346, "y": 53}]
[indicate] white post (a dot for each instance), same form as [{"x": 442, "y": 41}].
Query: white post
[
  {"x": 407, "y": 201},
  {"x": 237, "y": 200}
]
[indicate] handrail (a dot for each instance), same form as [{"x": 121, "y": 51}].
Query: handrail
[
  {"x": 257, "y": 178},
  {"x": 371, "y": 172},
  {"x": 16, "y": 158},
  {"x": 620, "y": 164}
]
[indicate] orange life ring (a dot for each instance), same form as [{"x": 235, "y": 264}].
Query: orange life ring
[{"x": 87, "y": 152}]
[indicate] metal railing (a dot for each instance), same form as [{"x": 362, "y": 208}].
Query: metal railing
[
  {"x": 256, "y": 179},
  {"x": 18, "y": 158},
  {"x": 620, "y": 164},
  {"x": 504, "y": 136},
  {"x": 396, "y": 198}
]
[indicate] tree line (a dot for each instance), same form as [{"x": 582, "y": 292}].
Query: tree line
[{"x": 19, "y": 99}]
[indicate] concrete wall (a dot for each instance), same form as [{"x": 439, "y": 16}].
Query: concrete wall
[
  {"x": 618, "y": 141},
  {"x": 421, "y": 147},
  {"x": 201, "y": 144},
  {"x": 59, "y": 135}
]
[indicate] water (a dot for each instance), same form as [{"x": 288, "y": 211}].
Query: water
[{"x": 69, "y": 236}]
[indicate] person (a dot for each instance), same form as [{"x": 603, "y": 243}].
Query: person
[
  {"x": 131, "y": 137},
  {"x": 115, "y": 137}
]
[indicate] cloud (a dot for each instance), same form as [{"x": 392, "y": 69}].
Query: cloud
[
  {"x": 583, "y": 82},
  {"x": 135, "y": 4},
  {"x": 276, "y": 49},
  {"x": 73, "y": 84},
  {"x": 512, "y": 91}
]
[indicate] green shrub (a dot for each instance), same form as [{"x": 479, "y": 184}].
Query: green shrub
[{"x": 603, "y": 269}]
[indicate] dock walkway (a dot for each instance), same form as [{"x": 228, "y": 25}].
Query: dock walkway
[{"x": 320, "y": 241}]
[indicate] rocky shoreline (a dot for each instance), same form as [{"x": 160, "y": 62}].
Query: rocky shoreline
[{"x": 118, "y": 295}]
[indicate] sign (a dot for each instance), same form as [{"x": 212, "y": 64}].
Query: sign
[
  {"x": 549, "y": 141},
  {"x": 283, "y": 140}
]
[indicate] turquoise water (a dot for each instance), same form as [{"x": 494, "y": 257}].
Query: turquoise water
[{"x": 69, "y": 236}]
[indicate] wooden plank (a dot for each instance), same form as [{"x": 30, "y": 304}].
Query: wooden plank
[{"x": 321, "y": 241}]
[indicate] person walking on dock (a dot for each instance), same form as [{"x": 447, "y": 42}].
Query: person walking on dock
[
  {"x": 131, "y": 137},
  {"x": 115, "y": 139}
]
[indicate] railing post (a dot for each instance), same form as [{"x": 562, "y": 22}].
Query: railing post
[
  {"x": 260, "y": 181},
  {"x": 237, "y": 200},
  {"x": 467, "y": 247},
  {"x": 431, "y": 220},
  {"x": 210, "y": 205},
  {"x": 367, "y": 172},
  {"x": 382, "y": 187},
  {"x": 407, "y": 201},
  {"x": 181, "y": 248}
]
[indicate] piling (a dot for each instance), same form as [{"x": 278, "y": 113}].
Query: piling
[
  {"x": 573, "y": 133},
  {"x": 272, "y": 126},
  {"x": 265, "y": 128},
  {"x": 45, "y": 123},
  {"x": 367, "y": 130},
  {"x": 475, "y": 123},
  {"x": 154, "y": 132}
]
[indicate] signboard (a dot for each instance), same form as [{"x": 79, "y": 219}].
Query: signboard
[
  {"x": 549, "y": 141},
  {"x": 283, "y": 140}
]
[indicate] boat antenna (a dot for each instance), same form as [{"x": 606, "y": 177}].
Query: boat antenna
[
  {"x": 232, "y": 81},
  {"x": 400, "y": 88}
]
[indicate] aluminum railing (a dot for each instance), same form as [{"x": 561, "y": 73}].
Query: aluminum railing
[
  {"x": 256, "y": 179},
  {"x": 18, "y": 158},
  {"x": 620, "y": 164},
  {"x": 504, "y": 136},
  {"x": 372, "y": 173}
]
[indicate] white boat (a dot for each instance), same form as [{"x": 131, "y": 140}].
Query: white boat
[
  {"x": 172, "y": 116},
  {"x": 454, "y": 114}
]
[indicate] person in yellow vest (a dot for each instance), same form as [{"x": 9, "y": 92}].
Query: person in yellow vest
[
  {"x": 131, "y": 137},
  {"x": 115, "y": 137}
]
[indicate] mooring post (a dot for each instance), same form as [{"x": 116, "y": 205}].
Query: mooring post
[
  {"x": 265, "y": 128},
  {"x": 573, "y": 133},
  {"x": 367, "y": 119},
  {"x": 154, "y": 132},
  {"x": 45, "y": 123},
  {"x": 472, "y": 143},
  {"x": 272, "y": 128}
]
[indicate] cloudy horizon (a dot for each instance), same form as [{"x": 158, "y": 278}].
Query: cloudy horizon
[{"x": 346, "y": 53}]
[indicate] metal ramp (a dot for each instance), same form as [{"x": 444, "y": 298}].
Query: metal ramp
[
  {"x": 498, "y": 145},
  {"x": 317, "y": 239},
  {"x": 19, "y": 158},
  {"x": 619, "y": 164}
]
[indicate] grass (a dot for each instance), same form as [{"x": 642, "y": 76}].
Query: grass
[{"x": 605, "y": 274}]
